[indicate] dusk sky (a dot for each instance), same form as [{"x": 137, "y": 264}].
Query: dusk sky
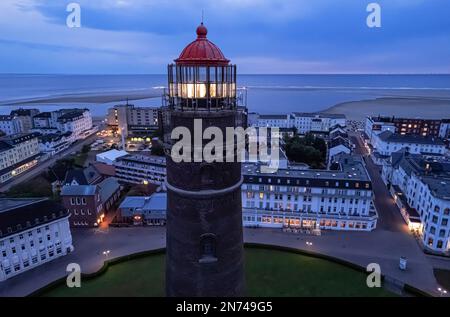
[{"x": 261, "y": 36}]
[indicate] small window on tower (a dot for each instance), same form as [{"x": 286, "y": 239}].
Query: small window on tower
[{"x": 208, "y": 248}]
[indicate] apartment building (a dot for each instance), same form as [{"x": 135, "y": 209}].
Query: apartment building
[
  {"x": 141, "y": 169},
  {"x": 76, "y": 121},
  {"x": 420, "y": 186},
  {"x": 55, "y": 143},
  {"x": 303, "y": 122},
  {"x": 26, "y": 117},
  {"x": 18, "y": 153},
  {"x": 327, "y": 199},
  {"x": 133, "y": 121},
  {"x": 387, "y": 143},
  {"x": 317, "y": 122},
  {"x": 11, "y": 125},
  {"x": 32, "y": 232},
  {"x": 404, "y": 126}
]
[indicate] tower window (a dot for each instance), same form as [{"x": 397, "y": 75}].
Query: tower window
[{"x": 208, "y": 248}]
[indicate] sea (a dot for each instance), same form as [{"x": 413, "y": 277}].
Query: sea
[{"x": 266, "y": 94}]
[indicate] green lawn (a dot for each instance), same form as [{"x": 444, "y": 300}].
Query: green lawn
[
  {"x": 269, "y": 273},
  {"x": 443, "y": 277},
  {"x": 80, "y": 159}
]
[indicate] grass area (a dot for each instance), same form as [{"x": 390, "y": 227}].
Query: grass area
[
  {"x": 36, "y": 187},
  {"x": 443, "y": 277},
  {"x": 269, "y": 273},
  {"x": 80, "y": 159}
]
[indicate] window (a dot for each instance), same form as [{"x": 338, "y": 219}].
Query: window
[{"x": 208, "y": 248}]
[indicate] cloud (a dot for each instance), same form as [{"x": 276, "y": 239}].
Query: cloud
[{"x": 262, "y": 36}]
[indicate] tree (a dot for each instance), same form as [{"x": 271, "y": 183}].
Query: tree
[
  {"x": 85, "y": 149},
  {"x": 157, "y": 149},
  {"x": 308, "y": 149}
]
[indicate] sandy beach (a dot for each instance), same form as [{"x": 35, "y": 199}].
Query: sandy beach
[
  {"x": 427, "y": 108},
  {"x": 96, "y": 98}
]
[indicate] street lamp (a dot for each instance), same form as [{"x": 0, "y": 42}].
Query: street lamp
[
  {"x": 308, "y": 243},
  {"x": 106, "y": 253},
  {"x": 442, "y": 291}
]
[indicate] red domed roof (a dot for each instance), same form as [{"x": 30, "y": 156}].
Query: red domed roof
[{"x": 202, "y": 51}]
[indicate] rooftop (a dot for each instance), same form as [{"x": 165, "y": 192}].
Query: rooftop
[
  {"x": 320, "y": 115},
  {"x": 202, "y": 51},
  {"x": 388, "y": 136},
  {"x": 273, "y": 116},
  {"x": 73, "y": 114},
  {"x": 351, "y": 168},
  {"x": 108, "y": 187},
  {"x": 79, "y": 190},
  {"x": 144, "y": 159},
  {"x": 6, "y": 118},
  {"x": 17, "y": 215},
  {"x": 111, "y": 155},
  {"x": 433, "y": 172},
  {"x": 157, "y": 201},
  {"x": 86, "y": 176}
]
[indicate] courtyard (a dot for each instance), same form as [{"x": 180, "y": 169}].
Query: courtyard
[{"x": 268, "y": 273}]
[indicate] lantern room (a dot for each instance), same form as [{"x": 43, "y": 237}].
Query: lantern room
[{"x": 202, "y": 79}]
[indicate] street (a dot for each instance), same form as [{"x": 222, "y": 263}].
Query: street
[
  {"x": 389, "y": 215},
  {"x": 35, "y": 171},
  {"x": 384, "y": 246}
]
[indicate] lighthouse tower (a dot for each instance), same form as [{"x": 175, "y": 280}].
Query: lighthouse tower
[{"x": 204, "y": 217}]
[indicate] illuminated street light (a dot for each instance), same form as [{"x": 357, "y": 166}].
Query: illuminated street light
[
  {"x": 442, "y": 291},
  {"x": 308, "y": 243},
  {"x": 106, "y": 253}
]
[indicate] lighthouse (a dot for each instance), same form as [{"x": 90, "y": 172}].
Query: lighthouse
[{"x": 204, "y": 212}]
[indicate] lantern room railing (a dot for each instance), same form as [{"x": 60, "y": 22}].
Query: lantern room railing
[{"x": 202, "y": 88}]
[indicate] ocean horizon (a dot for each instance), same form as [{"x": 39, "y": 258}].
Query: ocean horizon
[{"x": 267, "y": 93}]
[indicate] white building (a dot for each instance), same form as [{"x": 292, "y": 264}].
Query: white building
[
  {"x": 52, "y": 144},
  {"x": 421, "y": 187},
  {"x": 44, "y": 120},
  {"x": 11, "y": 125},
  {"x": 376, "y": 125},
  {"x": 310, "y": 199},
  {"x": 32, "y": 232},
  {"x": 387, "y": 143},
  {"x": 336, "y": 146},
  {"x": 109, "y": 157},
  {"x": 444, "y": 131},
  {"x": 303, "y": 122},
  {"x": 26, "y": 117},
  {"x": 18, "y": 153},
  {"x": 278, "y": 121},
  {"x": 141, "y": 169},
  {"x": 317, "y": 122},
  {"x": 76, "y": 121}
]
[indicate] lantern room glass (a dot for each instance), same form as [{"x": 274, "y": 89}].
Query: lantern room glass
[{"x": 202, "y": 87}]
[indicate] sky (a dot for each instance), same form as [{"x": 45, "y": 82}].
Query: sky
[{"x": 260, "y": 36}]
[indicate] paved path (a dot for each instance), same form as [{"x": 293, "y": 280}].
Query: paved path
[
  {"x": 384, "y": 246},
  {"x": 381, "y": 246}
]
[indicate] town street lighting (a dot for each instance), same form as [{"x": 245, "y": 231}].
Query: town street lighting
[
  {"x": 106, "y": 253},
  {"x": 442, "y": 291},
  {"x": 308, "y": 243}
]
